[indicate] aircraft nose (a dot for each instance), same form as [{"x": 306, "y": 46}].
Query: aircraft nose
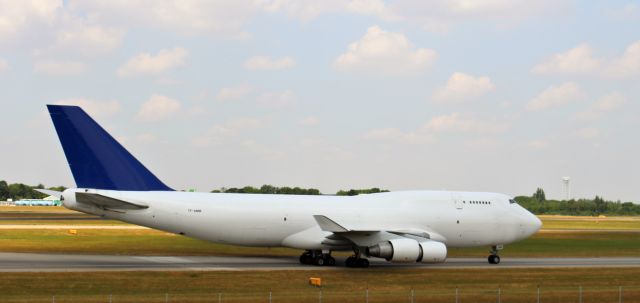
[{"x": 533, "y": 224}]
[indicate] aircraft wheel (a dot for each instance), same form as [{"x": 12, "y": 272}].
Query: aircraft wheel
[
  {"x": 319, "y": 261},
  {"x": 305, "y": 258},
  {"x": 362, "y": 263},
  {"x": 350, "y": 262},
  {"x": 494, "y": 259},
  {"x": 330, "y": 261}
]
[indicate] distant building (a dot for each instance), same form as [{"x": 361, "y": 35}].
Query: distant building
[{"x": 48, "y": 201}]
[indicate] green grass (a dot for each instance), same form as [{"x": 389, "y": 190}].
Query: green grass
[
  {"x": 591, "y": 223},
  {"x": 64, "y": 222},
  {"x": 152, "y": 242},
  {"x": 348, "y": 285}
]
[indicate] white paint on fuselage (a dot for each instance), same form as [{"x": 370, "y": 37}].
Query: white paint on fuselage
[{"x": 287, "y": 220}]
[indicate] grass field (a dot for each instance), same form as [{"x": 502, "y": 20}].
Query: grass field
[
  {"x": 516, "y": 285},
  {"x": 561, "y": 237},
  {"x": 152, "y": 242}
]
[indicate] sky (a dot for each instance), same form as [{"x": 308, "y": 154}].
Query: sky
[{"x": 494, "y": 95}]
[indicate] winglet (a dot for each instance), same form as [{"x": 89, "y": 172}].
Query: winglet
[{"x": 327, "y": 224}]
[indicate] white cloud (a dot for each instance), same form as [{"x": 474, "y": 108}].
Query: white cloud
[
  {"x": 396, "y": 135},
  {"x": 555, "y": 96},
  {"x": 435, "y": 15},
  {"x": 428, "y": 133},
  {"x": 146, "y": 138},
  {"x": 588, "y": 132},
  {"x": 189, "y": 17},
  {"x": 456, "y": 122},
  {"x": 385, "y": 52},
  {"x": 220, "y": 132},
  {"x": 608, "y": 103},
  {"x": 277, "y": 99},
  {"x": 4, "y": 65},
  {"x": 629, "y": 11},
  {"x": 309, "y": 121},
  {"x": 17, "y": 16},
  {"x": 234, "y": 92},
  {"x": 148, "y": 64},
  {"x": 538, "y": 144},
  {"x": 78, "y": 37},
  {"x": 462, "y": 86},
  {"x": 629, "y": 64},
  {"x": 307, "y": 10},
  {"x": 94, "y": 107},
  {"x": 59, "y": 68},
  {"x": 578, "y": 60},
  {"x": 158, "y": 108},
  {"x": 268, "y": 63}
]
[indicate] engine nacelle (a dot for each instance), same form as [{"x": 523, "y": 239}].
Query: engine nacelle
[
  {"x": 432, "y": 252},
  {"x": 397, "y": 250},
  {"x": 409, "y": 250}
]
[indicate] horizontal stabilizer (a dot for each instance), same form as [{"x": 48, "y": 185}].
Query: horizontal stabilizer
[
  {"x": 49, "y": 192},
  {"x": 105, "y": 202}
]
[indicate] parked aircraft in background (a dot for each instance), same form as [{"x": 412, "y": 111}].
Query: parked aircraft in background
[{"x": 409, "y": 226}]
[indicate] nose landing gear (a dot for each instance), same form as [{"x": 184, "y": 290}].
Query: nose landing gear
[{"x": 494, "y": 258}]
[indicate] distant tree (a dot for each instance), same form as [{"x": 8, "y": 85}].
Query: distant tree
[
  {"x": 539, "y": 195},
  {"x": 600, "y": 205},
  {"x": 269, "y": 189},
  {"x": 355, "y": 192},
  {"x": 58, "y": 188},
  {"x": 4, "y": 190}
]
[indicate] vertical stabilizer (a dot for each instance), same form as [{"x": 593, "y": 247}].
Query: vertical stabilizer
[{"x": 96, "y": 159}]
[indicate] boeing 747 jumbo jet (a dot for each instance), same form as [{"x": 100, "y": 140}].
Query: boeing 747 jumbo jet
[{"x": 408, "y": 226}]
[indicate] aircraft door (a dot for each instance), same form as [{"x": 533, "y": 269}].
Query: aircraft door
[{"x": 457, "y": 202}]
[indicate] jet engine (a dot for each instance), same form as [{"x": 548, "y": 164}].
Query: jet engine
[
  {"x": 433, "y": 252},
  {"x": 409, "y": 250}
]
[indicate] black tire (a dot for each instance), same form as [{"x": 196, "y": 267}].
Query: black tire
[
  {"x": 350, "y": 262},
  {"x": 306, "y": 259},
  {"x": 362, "y": 263},
  {"x": 330, "y": 261},
  {"x": 496, "y": 259},
  {"x": 319, "y": 261}
]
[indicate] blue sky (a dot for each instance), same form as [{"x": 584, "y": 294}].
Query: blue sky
[{"x": 489, "y": 95}]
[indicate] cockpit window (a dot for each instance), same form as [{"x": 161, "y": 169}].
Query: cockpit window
[{"x": 511, "y": 201}]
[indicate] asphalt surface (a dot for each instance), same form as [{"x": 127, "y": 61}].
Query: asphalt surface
[{"x": 25, "y": 262}]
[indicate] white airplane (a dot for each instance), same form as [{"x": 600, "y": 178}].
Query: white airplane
[{"x": 409, "y": 226}]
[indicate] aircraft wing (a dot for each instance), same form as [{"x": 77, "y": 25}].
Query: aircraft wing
[
  {"x": 367, "y": 236},
  {"x": 106, "y": 202}
]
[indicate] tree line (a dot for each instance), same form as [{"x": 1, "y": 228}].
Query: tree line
[
  {"x": 538, "y": 204},
  {"x": 270, "y": 189},
  {"x": 19, "y": 191}
]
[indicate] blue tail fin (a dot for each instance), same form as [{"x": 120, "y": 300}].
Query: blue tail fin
[{"x": 96, "y": 159}]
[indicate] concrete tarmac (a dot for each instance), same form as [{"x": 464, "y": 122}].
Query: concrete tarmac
[{"x": 26, "y": 262}]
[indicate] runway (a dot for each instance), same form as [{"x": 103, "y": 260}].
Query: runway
[{"x": 25, "y": 262}]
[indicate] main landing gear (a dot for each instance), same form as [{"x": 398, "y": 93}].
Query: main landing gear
[
  {"x": 356, "y": 260},
  {"x": 494, "y": 258},
  {"x": 318, "y": 258}
]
